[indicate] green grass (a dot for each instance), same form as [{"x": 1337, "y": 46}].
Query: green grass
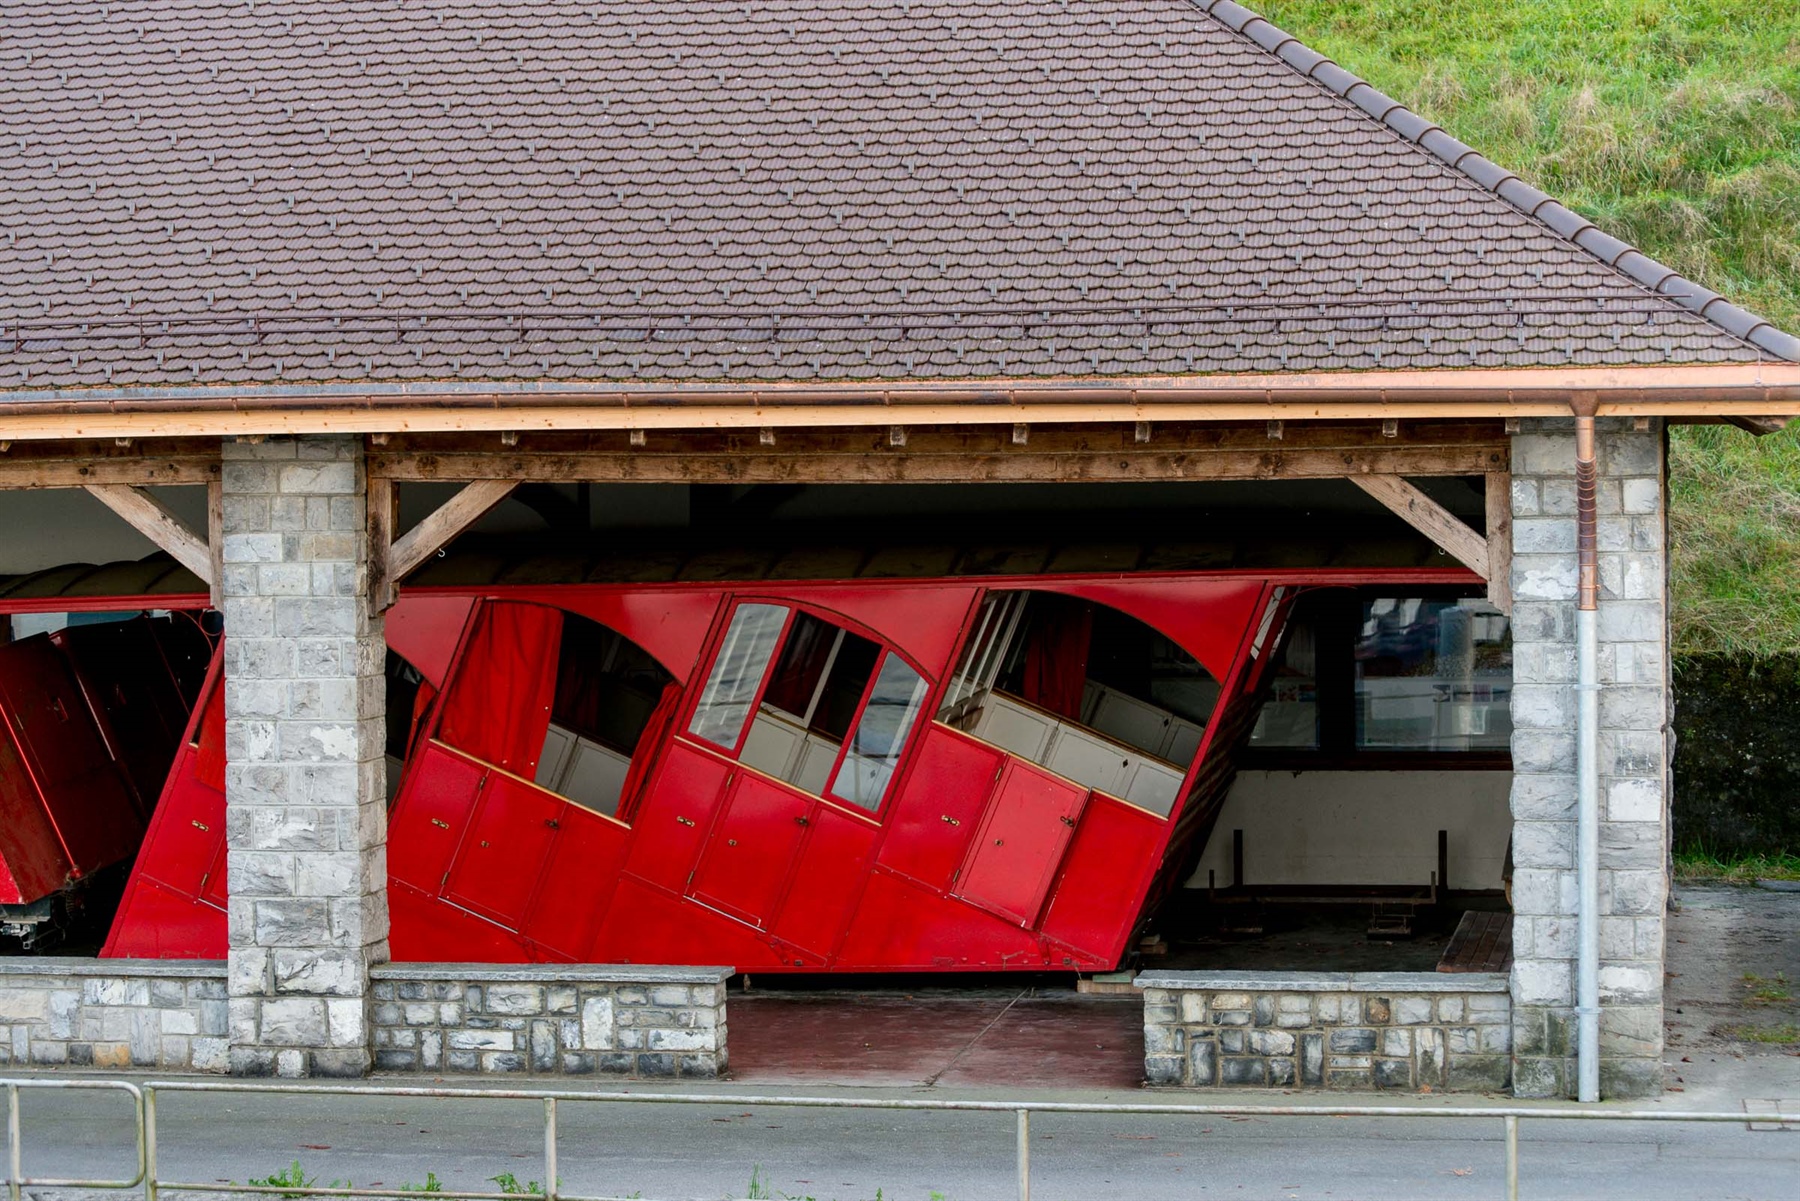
[
  {"x": 1675, "y": 125},
  {"x": 1784, "y": 1034},
  {"x": 1701, "y": 865},
  {"x": 1765, "y": 990}
]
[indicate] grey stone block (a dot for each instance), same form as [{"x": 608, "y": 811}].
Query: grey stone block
[
  {"x": 1243, "y": 1070},
  {"x": 1312, "y": 1058},
  {"x": 1393, "y": 1073},
  {"x": 1352, "y": 1040},
  {"x": 1163, "y": 1069},
  {"x": 1203, "y": 1063}
]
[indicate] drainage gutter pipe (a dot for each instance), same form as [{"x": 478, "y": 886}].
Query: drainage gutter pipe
[{"x": 1587, "y": 759}]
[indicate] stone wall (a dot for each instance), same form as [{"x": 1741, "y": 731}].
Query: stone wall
[
  {"x": 1398, "y": 1030},
  {"x": 1635, "y": 731},
  {"x": 561, "y": 1019},
  {"x": 113, "y": 1013},
  {"x": 306, "y": 822}
]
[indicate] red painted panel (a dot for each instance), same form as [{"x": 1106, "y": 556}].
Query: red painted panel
[
  {"x": 81, "y": 786},
  {"x": 1020, "y": 843},
  {"x": 32, "y": 861},
  {"x": 159, "y": 922},
  {"x": 675, "y": 816},
  {"x": 940, "y": 806},
  {"x": 646, "y": 925},
  {"x": 424, "y": 630},
  {"x": 748, "y": 856},
  {"x": 1207, "y": 618},
  {"x": 571, "y": 899},
  {"x": 498, "y": 864},
  {"x": 923, "y": 620},
  {"x": 671, "y": 624},
  {"x": 827, "y": 881},
  {"x": 427, "y": 930},
  {"x": 1101, "y": 889},
  {"x": 430, "y": 815},
  {"x": 900, "y": 926}
]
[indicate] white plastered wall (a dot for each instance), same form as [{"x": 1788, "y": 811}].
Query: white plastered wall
[{"x": 1362, "y": 827}]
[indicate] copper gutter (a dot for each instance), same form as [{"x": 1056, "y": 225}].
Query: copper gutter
[{"x": 1707, "y": 390}]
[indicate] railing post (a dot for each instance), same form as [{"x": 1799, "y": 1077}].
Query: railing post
[
  {"x": 550, "y": 1148},
  {"x": 149, "y": 1134},
  {"x": 1512, "y": 1157},
  {"x": 15, "y": 1152},
  {"x": 1024, "y": 1155}
]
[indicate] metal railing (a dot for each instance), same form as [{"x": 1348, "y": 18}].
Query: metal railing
[{"x": 144, "y": 1098}]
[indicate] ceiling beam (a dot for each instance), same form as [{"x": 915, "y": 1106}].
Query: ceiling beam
[{"x": 1444, "y": 528}]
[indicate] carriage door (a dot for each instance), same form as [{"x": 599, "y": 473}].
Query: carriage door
[{"x": 1021, "y": 841}]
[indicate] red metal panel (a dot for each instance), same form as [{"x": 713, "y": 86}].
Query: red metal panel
[
  {"x": 424, "y": 630},
  {"x": 924, "y": 620},
  {"x": 750, "y": 851},
  {"x": 675, "y": 816},
  {"x": 81, "y": 787},
  {"x": 899, "y": 926},
  {"x": 497, "y": 867},
  {"x": 1020, "y": 843},
  {"x": 1208, "y": 618},
  {"x": 430, "y": 815},
  {"x": 423, "y": 929},
  {"x": 32, "y": 861},
  {"x": 159, "y": 922},
  {"x": 647, "y": 925},
  {"x": 571, "y": 898},
  {"x": 939, "y": 806},
  {"x": 669, "y": 623},
  {"x": 827, "y": 882},
  {"x": 1103, "y": 878}
]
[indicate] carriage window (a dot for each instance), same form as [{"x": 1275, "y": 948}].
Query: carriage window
[
  {"x": 1085, "y": 691},
  {"x": 609, "y": 692},
  {"x": 887, "y": 719},
  {"x": 743, "y": 659},
  {"x": 831, "y": 695}
]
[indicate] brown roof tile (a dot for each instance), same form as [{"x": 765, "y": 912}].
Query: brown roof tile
[{"x": 284, "y": 191}]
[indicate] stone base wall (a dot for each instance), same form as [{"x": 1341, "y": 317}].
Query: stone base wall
[
  {"x": 113, "y": 1013},
  {"x": 563, "y": 1019},
  {"x": 1398, "y": 1030}
]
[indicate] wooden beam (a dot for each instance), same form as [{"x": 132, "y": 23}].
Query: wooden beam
[
  {"x": 215, "y": 541},
  {"x": 392, "y": 559},
  {"x": 78, "y": 464},
  {"x": 384, "y": 513},
  {"x": 1431, "y": 519},
  {"x": 1499, "y": 540},
  {"x": 939, "y": 454},
  {"x": 154, "y": 521}
]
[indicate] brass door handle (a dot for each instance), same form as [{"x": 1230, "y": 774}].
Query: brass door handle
[
  {"x": 553, "y": 823},
  {"x": 1067, "y": 821},
  {"x": 951, "y": 820},
  {"x": 438, "y": 822},
  {"x": 801, "y": 821},
  {"x": 686, "y": 821}
]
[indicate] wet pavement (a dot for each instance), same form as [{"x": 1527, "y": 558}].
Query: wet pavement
[{"x": 1026, "y": 1038}]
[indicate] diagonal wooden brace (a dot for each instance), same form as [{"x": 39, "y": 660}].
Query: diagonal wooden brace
[
  {"x": 1448, "y": 531},
  {"x": 392, "y": 559}
]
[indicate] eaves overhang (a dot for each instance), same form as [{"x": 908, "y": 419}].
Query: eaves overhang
[{"x": 1767, "y": 390}]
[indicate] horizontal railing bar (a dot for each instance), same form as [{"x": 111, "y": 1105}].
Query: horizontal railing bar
[{"x": 1152, "y": 1108}]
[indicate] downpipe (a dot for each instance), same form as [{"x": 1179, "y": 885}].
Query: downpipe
[{"x": 1587, "y": 760}]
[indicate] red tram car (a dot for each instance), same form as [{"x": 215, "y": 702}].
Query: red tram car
[
  {"x": 1004, "y": 772},
  {"x": 90, "y": 717}
]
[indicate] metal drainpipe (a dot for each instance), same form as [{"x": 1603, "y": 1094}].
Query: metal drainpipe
[{"x": 1587, "y": 760}]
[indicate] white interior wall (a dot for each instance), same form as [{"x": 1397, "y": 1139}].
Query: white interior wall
[
  {"x": 48, "y": 527},
  {"x": 1362, "y": 827}
]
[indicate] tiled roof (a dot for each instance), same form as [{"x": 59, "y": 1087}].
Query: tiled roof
[{"x": 286, "y": 191}]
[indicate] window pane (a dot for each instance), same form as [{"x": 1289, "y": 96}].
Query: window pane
[
  {"x": 749, "y": 643},
  {"x": 880, "y": 736},
  {"x": 1290, "y": 717},
  {"x": 1433, "y": 675}
]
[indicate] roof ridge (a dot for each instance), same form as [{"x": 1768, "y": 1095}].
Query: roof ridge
[{"x": 1623, "y": 257}]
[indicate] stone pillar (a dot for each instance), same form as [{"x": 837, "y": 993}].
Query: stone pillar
[
  {"x": 1635, "y": 725},
  {"x": 306, "y": 824}
]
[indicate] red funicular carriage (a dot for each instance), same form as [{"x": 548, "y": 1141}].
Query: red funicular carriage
[{"x": 970, "y": 773}]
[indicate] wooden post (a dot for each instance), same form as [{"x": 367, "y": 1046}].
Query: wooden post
[
  {"x": 1499, "y": 540},
  {"x": 215, "y": 541}
]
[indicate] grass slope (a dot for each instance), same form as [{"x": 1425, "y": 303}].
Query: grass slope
[{"x": 1675, "y": 125}]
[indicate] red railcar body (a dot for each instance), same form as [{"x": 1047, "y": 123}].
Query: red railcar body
[
  {"x": 89, "y": 718},
  {"x": 939, "y": 775}
]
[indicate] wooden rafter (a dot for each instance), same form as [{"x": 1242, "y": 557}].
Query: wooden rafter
[
  {"x": 151, "y": 518},
  {"x": 393, "y": 558},
  {"x": 1431, "y": 519}
]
